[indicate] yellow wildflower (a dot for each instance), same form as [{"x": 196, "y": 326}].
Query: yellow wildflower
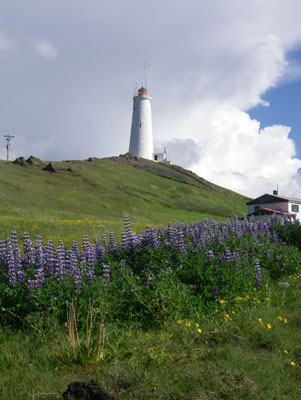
[
  {"x": 196, "y": 325},
  {"x": 285, "y": 320},
  {"x": 279, "y": 318},
  {"x": 216, "y": 310},
  {"x": 222, "y": 301},
  {"x": 199, "y": 330},
  {"x": 259, "y": 320},
  {"x": 188, "y": 323},
  {"x": 269, "y": 326},
  {"x": 293, "y": 364},
  {"x": 285, "y": 351},
  {"x": 268, "y": 299},
  {"x": 180, "y": 321}
]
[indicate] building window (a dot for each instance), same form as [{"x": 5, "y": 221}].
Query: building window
[
  {"x": 256, "y": 208},
  {"x": 295, "y": 208},
  {"x": 140, "y": 124},
  {"x": 156, "y": 157}
]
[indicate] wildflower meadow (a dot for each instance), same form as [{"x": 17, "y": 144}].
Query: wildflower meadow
[{"x": 192, "y": 285}]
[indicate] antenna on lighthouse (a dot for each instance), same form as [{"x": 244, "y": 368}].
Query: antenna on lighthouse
[
  {"x": 9, "y": 138},
  {"x": 146, "y": 66}
]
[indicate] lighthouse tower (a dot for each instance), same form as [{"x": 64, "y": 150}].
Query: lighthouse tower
[{"x": 141, "y": 141}]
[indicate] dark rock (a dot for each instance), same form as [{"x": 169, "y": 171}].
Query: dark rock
[
  {"x": 20, "y": 161},
  {"x": 91, "y": 159},
  {"x": 70, "y": 170},
  {"x": 86, "y": 391},
  {"x": 50, "y": 167},
  {"x": 33, "y": 160}
]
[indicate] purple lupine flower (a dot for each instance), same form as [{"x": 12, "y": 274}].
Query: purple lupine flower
[
  {"x": 193, "y": 287},
  {"x": 105, "y": 242},
  {"x": 227, "y": 254},
  {"x": 73, "y": 259},
  {"x": 31, "y": 285},
  {"x": 49, "y": 258},
  {"x": 209, "y": 254},
  {"x": 39, "y": 255},
  {"x": 106, "y": 272},
  {"x": 135, "y": 241},
  {"x": 28, "y": 250},
  {"x": 123, "y": 262},
  {"x": 38, "y": 278},
  {"x": 18, "y": 263},
  {"x": 11, "y": 266},
  {"x": 85, "y": 249},
  {"x": 59, "y": 261},
  {"x": 134, "y": 289},
  {"x": 171, "y": 232},
  {"x": 187, "y": 230},
  {"x": 155, "y": 238},
  {"x": 113, "y": 244},
  {"x": 275, "y": 238},
  {"x": 124, "y": 241},
  {"x": 77, "y": 278},
  {"x": 237, "y": 258},
  {"x": 90, "y": 270},
  {"x": 127, "y": 228},
  {"x": 2, "y": 252},
  {"x": 181, "y": 243},
  {"x": 14, "y": 239},
  {"x": 257, "y": 273},
  {"x": 99, "y": 250},
  {"x": 74, "y": 247},
  {"x": 202, "y": 241},
  {"x": 150, "y": 277}
]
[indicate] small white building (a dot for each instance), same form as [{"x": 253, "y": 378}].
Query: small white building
[
  {"x": 274, "y": 204},
  {"x": 161, "y": 157}
]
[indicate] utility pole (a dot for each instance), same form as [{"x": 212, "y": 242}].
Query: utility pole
[{"x": 9, "y": 138}]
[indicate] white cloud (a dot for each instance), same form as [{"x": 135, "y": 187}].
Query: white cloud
[
  {"x": 235, "y": 153},
  {"x": 46, "y": 50}
]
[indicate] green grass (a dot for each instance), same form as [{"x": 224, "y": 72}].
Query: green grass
[
  {"x": 95, "y": 197},
  {"x": 237, "y": 358}
]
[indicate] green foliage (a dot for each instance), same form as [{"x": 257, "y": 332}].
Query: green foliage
[
  {"x": 233, "y": 358},
  {"x": 290, "y": 234}
]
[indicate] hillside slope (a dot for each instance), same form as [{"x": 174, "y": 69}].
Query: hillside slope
[{"x": 109, "y": 189}]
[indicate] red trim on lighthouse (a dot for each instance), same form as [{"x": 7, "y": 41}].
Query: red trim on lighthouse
[{"x": 142, "y": 92}]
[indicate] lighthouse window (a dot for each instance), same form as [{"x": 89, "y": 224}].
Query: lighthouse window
[{"x": 140, "y": 124}]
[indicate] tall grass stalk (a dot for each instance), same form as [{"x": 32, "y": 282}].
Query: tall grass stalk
[{"x": 95, "y": 338}]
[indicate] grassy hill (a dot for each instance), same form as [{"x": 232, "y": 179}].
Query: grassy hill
[{"x": 94, "y": 195}]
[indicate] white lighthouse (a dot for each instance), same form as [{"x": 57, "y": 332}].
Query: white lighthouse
[{"x": 141, "y": 141}]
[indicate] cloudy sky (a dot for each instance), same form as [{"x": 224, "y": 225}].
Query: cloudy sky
[{"x": 225, "y": 77}]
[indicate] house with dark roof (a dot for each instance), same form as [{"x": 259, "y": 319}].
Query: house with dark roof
[{"x": 269, "y": 204}]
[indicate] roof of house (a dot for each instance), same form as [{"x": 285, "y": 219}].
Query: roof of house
[
  {"x": 270, "y": 211},
  {"x": 273, "y": 198}
]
